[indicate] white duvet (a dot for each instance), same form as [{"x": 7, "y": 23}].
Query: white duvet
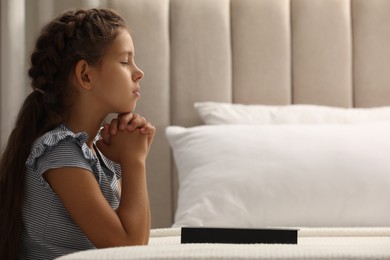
[{"x": 313, "y": 243}]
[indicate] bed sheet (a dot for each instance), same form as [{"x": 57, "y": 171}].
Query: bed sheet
[{"x": 313, "y": 243}]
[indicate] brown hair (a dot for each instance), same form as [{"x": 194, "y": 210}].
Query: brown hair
[{"x": 72, "y": 36}]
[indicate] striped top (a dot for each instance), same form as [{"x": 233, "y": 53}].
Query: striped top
[{"x": 48, "y": 230}]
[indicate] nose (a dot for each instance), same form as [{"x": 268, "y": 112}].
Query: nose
[{"x": 138, "y": 74}]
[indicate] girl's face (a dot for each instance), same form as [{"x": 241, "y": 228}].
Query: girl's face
[{"x": 116, "y": 83}]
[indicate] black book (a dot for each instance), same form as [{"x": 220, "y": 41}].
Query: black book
[{"x": 238, "y": 235}]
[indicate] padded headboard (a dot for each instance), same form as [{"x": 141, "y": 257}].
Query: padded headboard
[{"x": 326, "y": 52}]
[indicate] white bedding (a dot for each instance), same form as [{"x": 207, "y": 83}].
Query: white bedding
[
  {"x": 313, "y": 243},
  {"x": 313, "y": 175}
]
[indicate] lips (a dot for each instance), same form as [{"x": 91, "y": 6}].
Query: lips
[{"x": 137, "y": 92}]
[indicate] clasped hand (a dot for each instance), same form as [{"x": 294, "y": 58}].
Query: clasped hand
[{"x": 127, "y": 137}]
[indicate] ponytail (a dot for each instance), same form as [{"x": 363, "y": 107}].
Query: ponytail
[{"x": 30, "y": 124}]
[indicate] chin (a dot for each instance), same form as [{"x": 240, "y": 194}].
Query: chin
[
  {"x": 126, "y": 109},
  {"x": 132, "y": 108}
]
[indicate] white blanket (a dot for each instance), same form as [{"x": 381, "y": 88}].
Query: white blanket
[{"x": 313, "y": 243}]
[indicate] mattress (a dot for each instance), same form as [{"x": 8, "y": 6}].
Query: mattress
[{"x": 313, "y": 243}]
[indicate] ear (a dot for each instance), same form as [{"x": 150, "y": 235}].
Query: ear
[{"x": 82, "y": 74}]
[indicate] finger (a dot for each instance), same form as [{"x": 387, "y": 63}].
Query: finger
[
  {"x": 150, "y": 138},
  {"x": 114, "y": 126},
  {"x": 124, "y": 119},
  {"x": 137, "y": 122},
  {"x": 148, "y": 129},
  {"x": 102, "y": 146},
  {"x": 105, "y": 133}
]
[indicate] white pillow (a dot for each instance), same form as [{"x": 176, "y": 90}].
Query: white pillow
[
  {"x": 214, "y": 113},
  {"x": 282, "y": 175}
]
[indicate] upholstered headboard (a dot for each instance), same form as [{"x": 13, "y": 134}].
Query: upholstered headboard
[{"x": 326, "y": 52}]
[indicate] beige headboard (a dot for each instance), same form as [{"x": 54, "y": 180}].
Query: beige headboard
[{"x": 327, "y": 52}]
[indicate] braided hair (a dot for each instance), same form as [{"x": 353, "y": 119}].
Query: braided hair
[{"x": 70, "y": 37}]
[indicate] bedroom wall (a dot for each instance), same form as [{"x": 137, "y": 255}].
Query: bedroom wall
[{"x": 13, "y": 89}]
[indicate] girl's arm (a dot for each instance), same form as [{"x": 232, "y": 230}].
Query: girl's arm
[
  {"x": 82, "y": 197},
  {"x": 129, "y": 122}
]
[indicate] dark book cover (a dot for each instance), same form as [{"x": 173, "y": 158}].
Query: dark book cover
[{"x": 238, "y": 235}]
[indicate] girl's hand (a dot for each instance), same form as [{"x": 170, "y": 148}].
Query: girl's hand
[
  {"x": 136, "y": 121},
  {"x": 129, "y": 122}
]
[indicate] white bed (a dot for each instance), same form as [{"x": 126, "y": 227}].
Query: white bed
[
  {"x": 313, "y": 243},
  {"x": 270, "y": 113}
]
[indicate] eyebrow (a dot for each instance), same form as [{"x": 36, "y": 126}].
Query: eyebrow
[{"x": 129, "y": 53}]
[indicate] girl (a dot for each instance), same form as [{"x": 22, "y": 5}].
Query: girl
[{"x": 59, "y": 176}]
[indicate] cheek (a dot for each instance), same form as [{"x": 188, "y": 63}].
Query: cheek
[
  {"x": 110, "y": 80},
  {"x": 126, "y": 74}
]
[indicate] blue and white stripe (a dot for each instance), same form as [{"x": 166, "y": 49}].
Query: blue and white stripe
[{"x": 48, "y": 230}]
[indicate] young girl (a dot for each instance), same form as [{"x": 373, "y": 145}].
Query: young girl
[{"x": 66, "y": 184}]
